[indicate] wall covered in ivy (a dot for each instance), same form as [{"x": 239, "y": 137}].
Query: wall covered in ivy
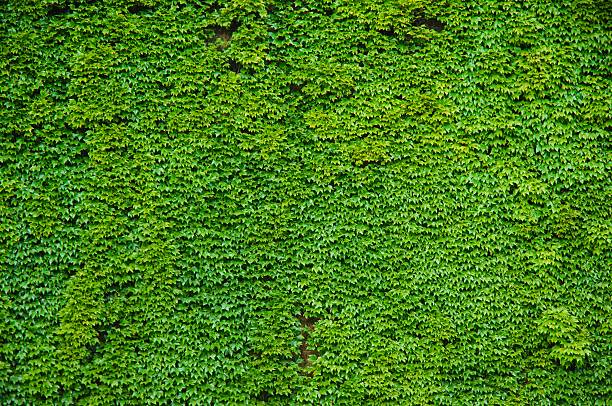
[{"x": 326, "y": 201}]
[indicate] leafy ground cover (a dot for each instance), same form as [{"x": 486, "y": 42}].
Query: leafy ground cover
[{"x": 325, "y": 201}]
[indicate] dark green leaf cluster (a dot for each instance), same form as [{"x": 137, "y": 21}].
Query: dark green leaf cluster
[{"x": 322, "y": 201}]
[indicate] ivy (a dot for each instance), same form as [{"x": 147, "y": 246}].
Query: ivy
[{"x": 322, "y": 201}]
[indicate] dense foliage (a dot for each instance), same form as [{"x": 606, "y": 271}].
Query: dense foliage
[{"x": 325, "y": 201}]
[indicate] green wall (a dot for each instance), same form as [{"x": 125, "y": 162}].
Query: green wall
[{"x": 329, "y": 202}]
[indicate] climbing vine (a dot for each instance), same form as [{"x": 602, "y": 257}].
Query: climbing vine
[{"x": 326, "y": 201}]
